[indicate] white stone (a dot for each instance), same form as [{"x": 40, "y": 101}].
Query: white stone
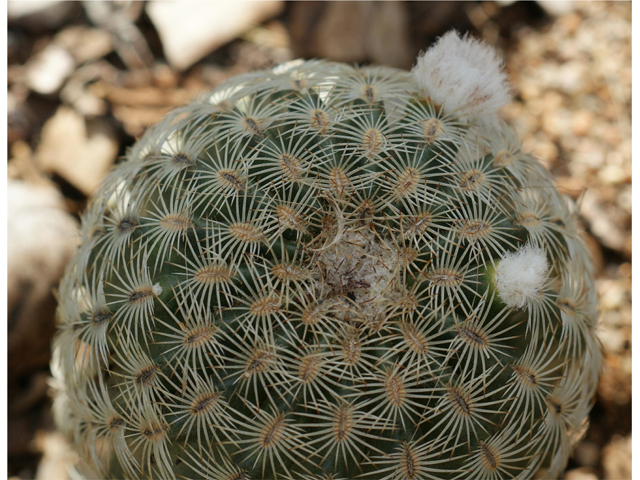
[
  {"x": 47, "y": 72},
  {"x": 191, "y": 30},
  {"x": 557, "y": 8},
  {"x": 22, "y": 9},
  {"x": 80, "y": 153},
  {"x": 36, "y": 15},
  {"x": 41, "y": 238}
]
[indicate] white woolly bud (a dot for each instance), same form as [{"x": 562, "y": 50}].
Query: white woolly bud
[
  {"x": 520, "y": 275},
  {"x": 157, "y": 290},
  {"x": 465, "y": 76}
]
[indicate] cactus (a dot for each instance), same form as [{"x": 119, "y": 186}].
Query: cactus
[{"x": 327, "y": 271}]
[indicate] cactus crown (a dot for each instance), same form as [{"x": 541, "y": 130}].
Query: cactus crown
[{"x": 324, "y": 271}]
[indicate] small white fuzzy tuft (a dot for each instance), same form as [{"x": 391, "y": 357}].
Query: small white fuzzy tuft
[
  {"x": 520, "y": 275},
  {"x": 465, "y": 76},
  {"x": 157, "y": 290}
]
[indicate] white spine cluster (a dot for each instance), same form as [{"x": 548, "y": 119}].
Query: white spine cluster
[
  {"x": 465, "y": 76},
  {"x": 520, "y": 275}
]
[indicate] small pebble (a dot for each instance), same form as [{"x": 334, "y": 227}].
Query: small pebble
[{"x": 47, "y": 72}]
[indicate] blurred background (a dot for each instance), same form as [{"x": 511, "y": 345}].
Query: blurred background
[{"x": 85, "y": 79}]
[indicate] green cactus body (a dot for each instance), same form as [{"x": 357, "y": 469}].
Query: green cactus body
[{"x": 299, "y": 276}]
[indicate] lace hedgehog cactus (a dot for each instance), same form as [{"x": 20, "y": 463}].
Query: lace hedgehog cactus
[{"x": 326, "y": 271}]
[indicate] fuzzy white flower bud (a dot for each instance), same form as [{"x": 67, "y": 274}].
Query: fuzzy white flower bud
[
  {"x": 465, "y": 76},
  {"x": 520, "y": 275}
]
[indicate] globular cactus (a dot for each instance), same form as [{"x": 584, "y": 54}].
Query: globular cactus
[{"x": 326, "y": 271}]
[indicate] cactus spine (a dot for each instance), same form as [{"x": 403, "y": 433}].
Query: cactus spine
[{"x": 324, "y": 271}]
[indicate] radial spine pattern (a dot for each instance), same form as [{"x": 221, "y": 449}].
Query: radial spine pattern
[{"x": 320, "y": 272}]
